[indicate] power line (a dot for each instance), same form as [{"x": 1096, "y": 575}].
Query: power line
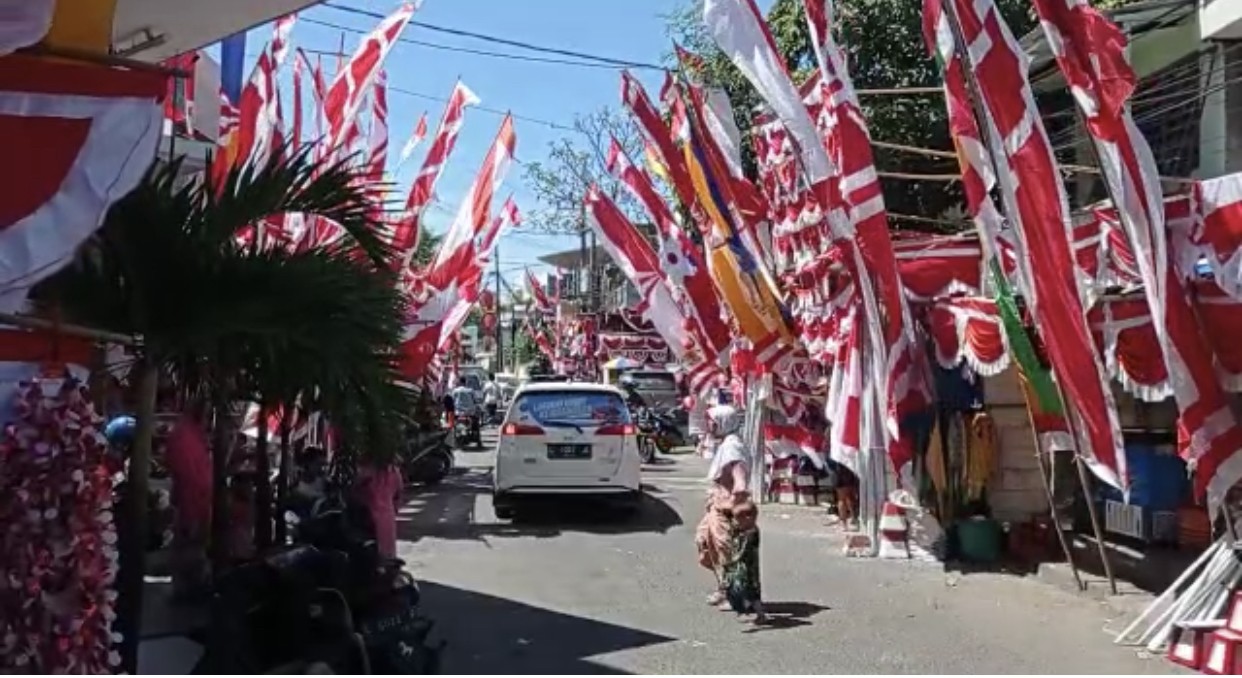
[
  {"x": 610, "y": 61},
  {"x": 465, "y": 50}
]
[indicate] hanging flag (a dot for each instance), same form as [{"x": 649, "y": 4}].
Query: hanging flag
[
  {"x": 457, "y": 250},
  {"x": 422, "y": 190},
  {"x": 344, "y": 97},
  {"x": 508, "y": 218},
  {"x": 542, "y": 302},
  {"x": 416, "y": 137},
  {"x": 1031, "y": 187},
  {"x": 1090, "y": 50},
  {"x": 680, "y": 260},
  {"x": 640, "y": 265},
  {"x": 296, "y": 132},
  {"x": 252, "y": 141},
  {"x": 94, "y": 131},
  {"x": 657, "y": 134},
  {"x": 378, "y": 155}
]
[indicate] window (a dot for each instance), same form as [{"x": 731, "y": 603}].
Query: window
[{"x": 570, "y": 408}]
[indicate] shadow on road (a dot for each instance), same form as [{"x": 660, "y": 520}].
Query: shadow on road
[
  {"x": 450, "y": 511},
  {"x": 787, "y": 615},
  {"x": 491, "y": 635}
]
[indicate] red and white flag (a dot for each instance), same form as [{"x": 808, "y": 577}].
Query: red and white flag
[
  {"x": 681, "y": 263},
  {"x": 640, "y": 264},
  {"x": 422, "y": 190},
  {"x": 1091, "y": 52},
  {"x": 635, "y": 98},
  {"x": 509, "y": 217},
  {"x": 1031, "y": 186},
  {"x": 457, "y": 251},
  {"x": 416, "y": 137},
  {"x": 93, "y": 132},
  {"x": 344, "y": 97},
  {"x": 378, "y": 143},
  {"x": 542, "y": 302}
]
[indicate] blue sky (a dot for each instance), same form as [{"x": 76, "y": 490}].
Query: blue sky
[{"x": 538, "y": 93}]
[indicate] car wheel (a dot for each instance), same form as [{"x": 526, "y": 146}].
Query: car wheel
[{"x": 503, "y": 510}]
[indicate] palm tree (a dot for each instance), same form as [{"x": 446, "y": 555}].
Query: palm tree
[{"x": 243, "y": 320}]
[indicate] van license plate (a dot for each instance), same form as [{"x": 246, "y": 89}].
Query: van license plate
[{"x": 569, "y": 451}]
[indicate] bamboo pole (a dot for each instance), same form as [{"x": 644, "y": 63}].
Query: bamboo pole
[
  {"x": 1047, "y": 484},
  {"x": 32, "y": 323},
  {"x": 134, "y": 548}
]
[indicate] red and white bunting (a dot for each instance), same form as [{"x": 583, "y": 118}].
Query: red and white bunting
[
  {"x": 344, "y": 97},
  {"x": 1090, "y": 50},
  {"x": 680, "y": 261},
  {"x": 1031, "y": 186},
  {"x": 94, "y": 131},
  {"x": 509, "y": 217},
  {"x": 457, "y": 251},
  {"x": 378, "y": 142},
  {"x": 416, "y": 138},
  {"x": 422, "y": 190},
  {"x": 640, "y": 264}
]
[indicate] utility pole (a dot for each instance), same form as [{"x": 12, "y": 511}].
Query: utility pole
[{"x": 500, "y": 360}]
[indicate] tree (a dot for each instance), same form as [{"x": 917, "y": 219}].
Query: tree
[
  {"x": 238, "y": 321},
  {"x": 428, "y": 243},
  {"x": 884, "y": 45},
  {"x": 573, "y": 163}
]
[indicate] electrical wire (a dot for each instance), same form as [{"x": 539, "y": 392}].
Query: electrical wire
[
  {"x": 464, "y": 50},
  {"x": 609, "y": 61}
]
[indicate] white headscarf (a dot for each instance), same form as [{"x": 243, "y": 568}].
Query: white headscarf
[{"x": 728, "y": 427}]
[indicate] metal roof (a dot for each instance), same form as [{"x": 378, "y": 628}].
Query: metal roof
[{"x": 154, "y": 30}]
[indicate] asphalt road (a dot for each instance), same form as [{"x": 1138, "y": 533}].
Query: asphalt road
[{"x": 575, "y": 591}]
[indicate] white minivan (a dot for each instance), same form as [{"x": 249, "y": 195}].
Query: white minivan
[{"x": 567, "y": 439}]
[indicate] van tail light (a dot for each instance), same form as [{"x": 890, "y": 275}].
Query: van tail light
[
  {"x": 521, "y": 430},
  {"x": 616, "y": 430}
]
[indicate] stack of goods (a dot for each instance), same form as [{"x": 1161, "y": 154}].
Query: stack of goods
[{"x": 58, "y": 549}]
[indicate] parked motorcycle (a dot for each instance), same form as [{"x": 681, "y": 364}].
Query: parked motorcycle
[
  {"x": 428, "y": 457},
  {"x": 330, "y": 600}
]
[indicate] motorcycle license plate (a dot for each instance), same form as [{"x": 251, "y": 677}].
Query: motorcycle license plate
[
  {"x": 389, "y": 623},
  {"x": 569, "y": 451}
]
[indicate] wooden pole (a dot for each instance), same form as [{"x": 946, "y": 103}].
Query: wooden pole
[
  {"x": 1085, "y": 483},
  {"x": 33, "y": 323},
  {"x": 134, "y": 547}
]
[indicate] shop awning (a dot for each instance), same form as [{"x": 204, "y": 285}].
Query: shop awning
[{"x": 153, "y": 30}]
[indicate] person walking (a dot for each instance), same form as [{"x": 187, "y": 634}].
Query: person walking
[
  {"x": 729, "y": 475},
  {"x": 491, "y": 398}
]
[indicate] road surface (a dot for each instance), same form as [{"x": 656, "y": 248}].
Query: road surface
[{"x": 577, "y": 592}]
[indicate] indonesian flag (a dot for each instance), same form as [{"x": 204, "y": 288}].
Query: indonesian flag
[
  {"x": 78, "y": 138},
  {"x": 1031, "y": 185},
  {"x": 416, "y": 137},
  {"x": 638, "y": 261},
  {"x": 542, "y": 302},
  {"x": 457, "y": 249},
  {"x": 681, "y": 263},
  {"x": 255, "y": 137},
  {"x": 508, "y": 218},
  {"x": 1091, "y": 52},
  {"x": 423, "y": 188},
  {"x": 344, "y": 98},
  {"x": 378, "y": 142}
]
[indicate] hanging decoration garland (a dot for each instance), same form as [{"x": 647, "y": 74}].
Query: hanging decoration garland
[{"x": 58, "y": 556}]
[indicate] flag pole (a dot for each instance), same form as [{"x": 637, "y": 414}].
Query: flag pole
[{"x": 985, "y": 130}]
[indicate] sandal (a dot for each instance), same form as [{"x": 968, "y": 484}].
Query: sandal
[{"x": 716, "y": 599}]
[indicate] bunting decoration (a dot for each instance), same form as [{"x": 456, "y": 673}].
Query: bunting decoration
[
  {"x": 343, "y": 99},
  {"x": 95, "y": 131},
  {"x": 1030, "y": 183},
  {"x": 405, "y": 238},
  {"x": 1090, "y": 50},
  {"x": 416, "y": 137},
  {"x": 378, "y": 155},
  {"x": 680, "y": 260}
]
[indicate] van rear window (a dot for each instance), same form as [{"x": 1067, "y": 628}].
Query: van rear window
[{"x": 570, "y": 408}]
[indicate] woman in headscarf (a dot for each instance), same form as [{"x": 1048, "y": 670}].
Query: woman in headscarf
[{"x": 730, "y": 483}]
